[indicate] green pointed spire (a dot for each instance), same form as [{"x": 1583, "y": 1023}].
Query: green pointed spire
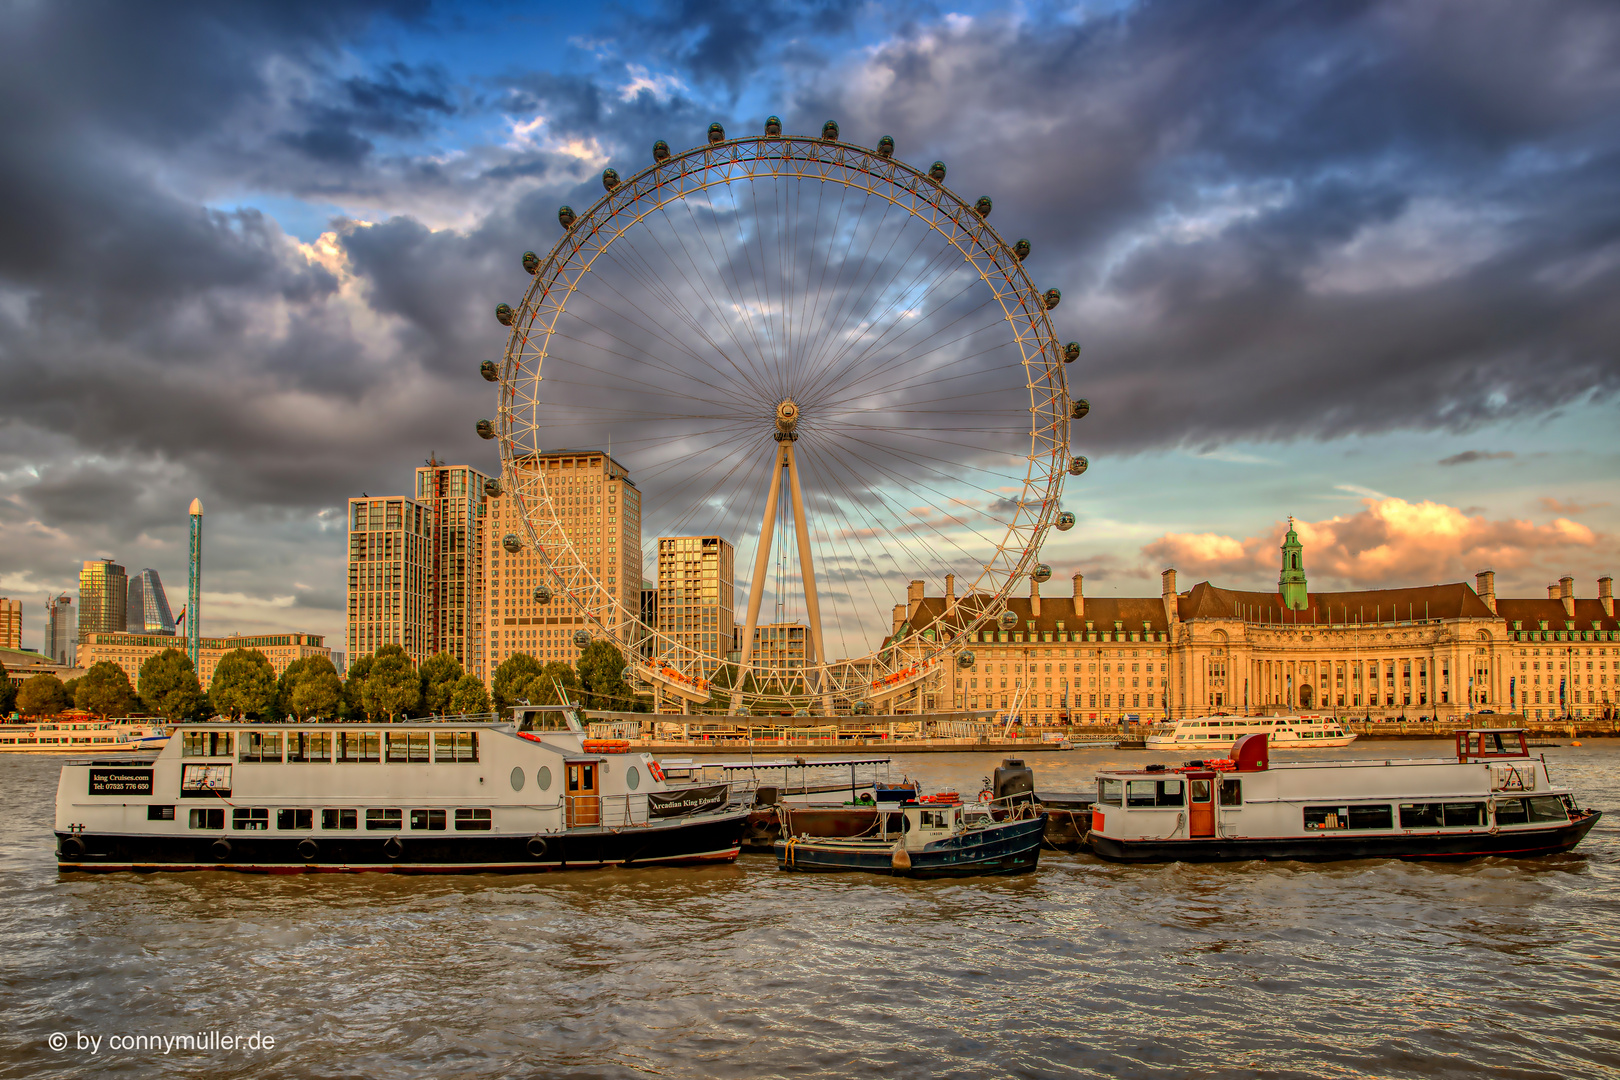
[{"x": 1291, "y": 582}]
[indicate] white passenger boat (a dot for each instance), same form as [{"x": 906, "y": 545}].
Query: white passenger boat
[
  {"x": 1304, "y": 732},
  {"x": 81, "y": 737},
  {"x": 1492, "y": 798},
  {"x": 420, "y": 796}
]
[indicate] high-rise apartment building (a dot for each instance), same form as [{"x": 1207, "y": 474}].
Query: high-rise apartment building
[
  {"x": 390, "y": 573},
  {"x": 10, "y": 623},
  {"x": 599, "y": 507},
  {"x": 455, "y": 496},
  {"x": 695, "y": 594},
  {"x": 103, "y": 598},
  {"x": 61, "y": 630},
  {"x": 147, "y": 607}
]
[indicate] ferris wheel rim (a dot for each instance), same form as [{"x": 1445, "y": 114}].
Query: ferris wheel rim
[{"x": 828, "y": 161}]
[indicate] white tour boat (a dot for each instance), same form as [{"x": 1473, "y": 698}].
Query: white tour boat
[
  {"x": 81, "y": 737},
  {"x": 419, "y": 796},
  {"x": 1304, "y": 732},
  {"x": 1492, "y": 798}
]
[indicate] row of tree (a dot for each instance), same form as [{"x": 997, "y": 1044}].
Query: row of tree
[{"x": 384, "y": 685}]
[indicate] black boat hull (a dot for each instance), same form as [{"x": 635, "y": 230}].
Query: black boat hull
[
  {"x": 713, "y": 838},
  {"x": 1010, "y": 848},
  {"x": 1506, "y": 843}
]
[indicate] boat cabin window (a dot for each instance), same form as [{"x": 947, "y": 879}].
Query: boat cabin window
[
  {"x": 359, "y": 746},
  {"x": 309, "y": 746},
  {"x": 205, "y": 781},
  {"x": 340, "y": 819},
  {"x": 1377, "y": 816},
  {"x": 250, "y": 818},
  {"x": 260, "y": 746},
  {"x": 476, "y": 819},
  {"x": 455, "y": 746},
  {"x": 205, "y": 744},
  {"x": 1442, "y": 815},
  {"x": 432, "y": 820},
  {"x": 1109, "y": 792},
  {"x": 408, "y": 747},
  {"x": 159, "y": 813},
  {"x": 384, "y": 819},
  {"x": 935, "y": 819},
  {"x": 208, "y": 818},
  {"x": 1231, "y": 791},
  {"x": 1198, "y": 790},
  {"x": 295, "y": 818},
  {"x": 1539, "y": 808},
  {"x": 548, "y": 720},
  {"x": 1154, "y": 793}
]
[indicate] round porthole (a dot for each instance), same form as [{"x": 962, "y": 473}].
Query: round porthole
[
  {"x": 517, "y": 779},
  {"x": 632, "y": 778},
  {"x": 543, "y": 778}
]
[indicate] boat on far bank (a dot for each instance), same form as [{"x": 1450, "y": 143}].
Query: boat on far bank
[
  {"x": 82, "y": 736},
  {"x": 1302, "y": 732}
]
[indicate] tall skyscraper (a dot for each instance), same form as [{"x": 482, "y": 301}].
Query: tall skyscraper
[
  {"x": 390, "y": 576},
  {"x": 695, "y": 594},
  {"x": 194, "y": 587},
  {"x": 10, "y": 623},
  {"x": 455, "y": 497},
  {"x": 600, "y": 510},
  {"x": 61, "y": 630},
  {"x": 148, "y": 606},
  {"x": 103, "y": 595}
]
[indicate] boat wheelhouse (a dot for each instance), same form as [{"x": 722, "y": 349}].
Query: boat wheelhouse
[
  {"x": 1303, "y": 732},
  {"x": 1492, "y": 798},
  {"x": 421, "y": 796}
]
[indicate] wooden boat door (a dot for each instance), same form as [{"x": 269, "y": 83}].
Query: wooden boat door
[
  {"x": 1201, "y": 805},
  {"x": 584, "y": 794}
]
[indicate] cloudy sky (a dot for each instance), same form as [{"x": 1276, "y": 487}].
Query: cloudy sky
[{"x": 1351, "y": 262}]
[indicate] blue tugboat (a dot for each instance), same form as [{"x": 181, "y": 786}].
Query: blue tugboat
[{"x": 936, "y": 836}]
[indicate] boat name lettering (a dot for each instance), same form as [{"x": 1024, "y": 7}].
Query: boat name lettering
[{"x": 687, "y": 801}]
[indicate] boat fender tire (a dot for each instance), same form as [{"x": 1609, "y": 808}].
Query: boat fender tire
[
  {"x": 308, "y": 848},
  {"x": 393, "y": 847},
  {"x": 537, "y": 847},
  {"x": 73, "y": 847},
  {"x": 220, "y": 849}
]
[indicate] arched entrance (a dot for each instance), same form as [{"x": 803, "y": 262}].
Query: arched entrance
[{"x": 1304, "y": 695}]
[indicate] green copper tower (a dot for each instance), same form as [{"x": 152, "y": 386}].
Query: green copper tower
[
  {"x": 194, "y": 588},
  {"x": 1291, "y": 582}
]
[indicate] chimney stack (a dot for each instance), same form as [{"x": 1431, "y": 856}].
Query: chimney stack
[
  {"x": 1171, "y": 612},
  {"x": 1485, "y": 586},
  {"x": 1034, "y": 598},
  {"x": 1552, "y": 593},
  {"x": 950, "y": 593},
  {"x": 1566, "y": 593},
  {"x": 899, "y": 617},
  {"x": 914, "y": 599},
  {"x": 1079, "y": 597},
  {"x": 1606, "y": 595}
]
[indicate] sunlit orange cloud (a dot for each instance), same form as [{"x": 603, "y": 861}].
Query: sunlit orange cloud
[{"x": 1390, "y": 543}]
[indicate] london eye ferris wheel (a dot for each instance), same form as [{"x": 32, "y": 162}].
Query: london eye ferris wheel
[{"x": 822, "y": 355}]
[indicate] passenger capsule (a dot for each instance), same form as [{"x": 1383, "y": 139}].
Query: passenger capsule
[
  {"x": 982, "y": 207},
  {"x": 1021, "y": 249},
  {"x": 486, "y": 430},
  {"x": 860, "y": 708},
  {"x": 660, "y": 150},
  {"x": 773, "y": 127},
  {"x": 531, "y": 261},
  {"x": 1078, "y": 466},
  {"x": 610, "y": 178},
  {"x": 801, "y": 712},
  {"x": 511, "y": 543},
  {"x": 489, "y": 371},
  {"x": 1008, "y": 620},
  {"x": 503, "y": 314},
  {"x": 717, "y": 133},
  {"x": 492, "y": 487},
  {"x": 829, "y": 131},
  {"x": 1079, "y": 408},
  {"x": 565, "y": 217},
  {"x": 581, "y": 639},
  {"x": 936, "y": 172},
  {"x": 743, "y": 710},
  {"x": 1041, "y": 573},
  {"x": 541, "y": 594},
  {"x": 1065, "y": 521},
  {"x": 886, "y": 146},
  {"x": 964, "y": 659},
  {"x": 1071, "y": 352},
  {"x": 1052, "y": 297}
]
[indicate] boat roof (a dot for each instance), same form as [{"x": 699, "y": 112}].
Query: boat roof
[{"x": 790, "y": 763}]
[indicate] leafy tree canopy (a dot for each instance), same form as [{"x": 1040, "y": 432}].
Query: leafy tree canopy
[
  {"x": 105, "y": 691},
  {"x": 169, "y": 688},
  {"x": 8, "y": 693},
  {"x": 297, "y": 670},
  {"x": 441, "y": 673},
  {"x": 318, "y": 693},
  {"x": 244, "y": 685},
  {"x": 354, "y": 688},
  {"x": 42, "y": 695},
  {"x": 469, "y": 696},
  {"x": 393, "y": 686},
  {"x": 541, "y": 689},
  {"x": 512, "y": 676},
  {"x": 601, "y": 676}
]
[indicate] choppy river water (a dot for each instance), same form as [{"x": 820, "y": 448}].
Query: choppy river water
[{"x": 1495, "y": 968}]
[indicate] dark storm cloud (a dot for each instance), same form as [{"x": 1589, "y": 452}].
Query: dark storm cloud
[
  {"x": 726, "y": 41},
  {"x": 1468, "y": 457}
]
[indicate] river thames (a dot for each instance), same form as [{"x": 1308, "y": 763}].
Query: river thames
[{"x": 1495, "y": 968}]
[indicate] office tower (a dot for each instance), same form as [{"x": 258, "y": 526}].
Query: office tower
[
  {"x": 455, "y": 497},
  {"x": 390, "y": 571},
  {"x": 103, "y": 594},
  {"x": 148, "y": 606},
  {"x": 194, "y": 587},
  {"x": 61, "y": 630},
  {"x": 10, "y": 623},
  {"x": 599, "y": 508},
  {"x": 695, "y": 594}
]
